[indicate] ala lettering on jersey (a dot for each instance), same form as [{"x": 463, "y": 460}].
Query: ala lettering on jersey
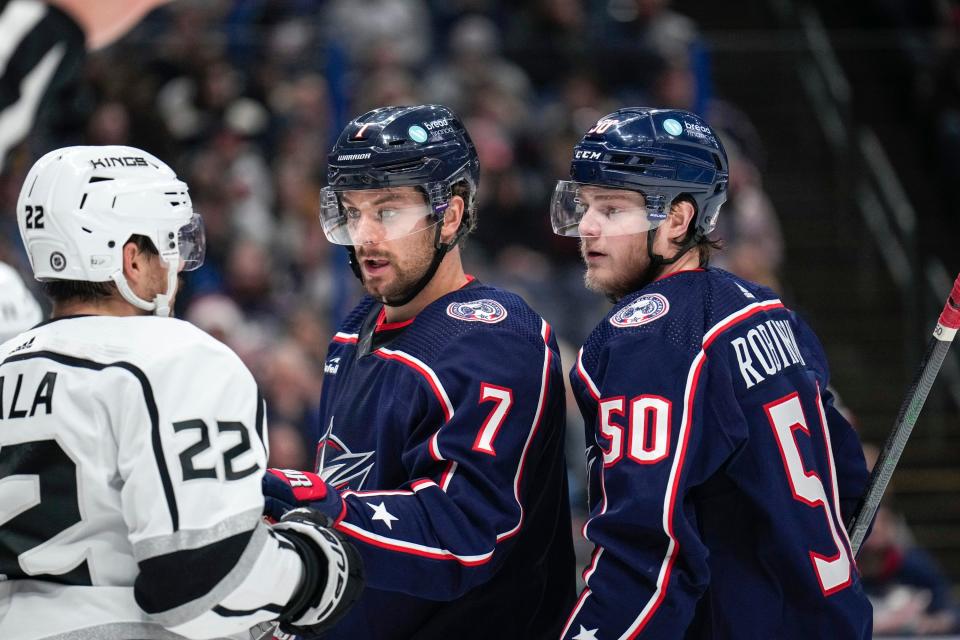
[
  {"x": 17, "y": 407},
  {"x": 767, "y": 349},
  {"x": 487, "y": 311},
  {"x": 643, "y": 310}
]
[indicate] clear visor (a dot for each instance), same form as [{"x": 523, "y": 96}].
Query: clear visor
[
  {"x": 585, "y": 210},
  {"x": 380, "y": 215},
  {"x": 192, "y": 242}
]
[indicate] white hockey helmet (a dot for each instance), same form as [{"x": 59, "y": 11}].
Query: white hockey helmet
[{"x": 80, "y": 205}]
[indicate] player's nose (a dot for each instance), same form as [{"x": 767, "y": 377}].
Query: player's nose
[
  {"x": 368, "y": 231},
  {"x": 589, "y": 225}
]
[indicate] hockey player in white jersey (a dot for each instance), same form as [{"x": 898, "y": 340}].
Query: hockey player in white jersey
[{"x": 132, "y": 446}]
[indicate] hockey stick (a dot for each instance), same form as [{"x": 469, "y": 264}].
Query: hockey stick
[{"x": 937, "y": 348}]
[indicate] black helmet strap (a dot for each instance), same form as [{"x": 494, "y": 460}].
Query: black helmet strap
[{"x": 657, "y": 261}]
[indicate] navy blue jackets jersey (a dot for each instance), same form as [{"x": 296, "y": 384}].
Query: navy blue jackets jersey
[
  {"x": 445, "y": 438},
  {"x": 720, "y": 473}
]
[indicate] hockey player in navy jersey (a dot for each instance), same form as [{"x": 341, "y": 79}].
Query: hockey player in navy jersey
[
  {"x": 442, "y": 405},
  {"x": 720, "y": 473},
  {"x": 132, "y": 446}
]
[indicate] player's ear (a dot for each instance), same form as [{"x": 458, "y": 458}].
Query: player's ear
[
  {"x": 452, "y": 218},
  {"x": 134, "y": 262},
  {"x": 678, "y": 221}
]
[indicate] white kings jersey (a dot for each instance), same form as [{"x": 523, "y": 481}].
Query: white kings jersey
[{"x": 131, "y": 455}]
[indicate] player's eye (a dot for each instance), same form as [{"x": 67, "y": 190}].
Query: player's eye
[
  {"x": 386, "y": 215},
  {"x": 352, "y": 215}
]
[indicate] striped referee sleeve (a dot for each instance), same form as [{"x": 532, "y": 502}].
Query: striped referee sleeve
[{"x": 41, "y": 48}]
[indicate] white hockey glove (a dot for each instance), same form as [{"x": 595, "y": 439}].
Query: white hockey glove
[{"x": 332, "y": 575}]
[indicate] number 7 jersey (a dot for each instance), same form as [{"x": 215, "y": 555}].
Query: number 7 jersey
[
  {"x": 445, "y": 439},
  {"x": 720, "y": 473}
]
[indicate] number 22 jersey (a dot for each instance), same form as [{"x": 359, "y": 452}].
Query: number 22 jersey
[{"x": 131, "y": 456}]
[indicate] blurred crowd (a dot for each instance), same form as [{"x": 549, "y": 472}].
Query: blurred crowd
[{"x": 927, "y": 34}]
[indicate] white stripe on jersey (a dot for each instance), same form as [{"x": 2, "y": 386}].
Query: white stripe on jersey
[
  {"x": 412, "y": 547},
  {"x": 586, "y": 377},
  {"x": 544, "y": 383},
  {"x": 16, "y": 119},
  {"x": 16, "y": 21},
  {"x": 195, "y": 538}
]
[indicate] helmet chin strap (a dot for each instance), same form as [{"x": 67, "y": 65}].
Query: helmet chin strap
[
  {"x": 441, "y": 249},
  {"x": 657, "y": 262},
  {"x": 160, "y": 304}
]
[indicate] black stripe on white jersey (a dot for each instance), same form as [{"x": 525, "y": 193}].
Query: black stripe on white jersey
[
  {"x": 162, "y": 583},
  {"x": 73, "y": 361},
  {"x": 233, "y": 613},
  {"x": 260, "y": 414}
]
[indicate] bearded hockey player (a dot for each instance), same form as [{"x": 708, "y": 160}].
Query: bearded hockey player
[
  {"x": 442, "y": 403},
  {"x": 132, "y": 444},
  {"x": 720, "y": 473}
]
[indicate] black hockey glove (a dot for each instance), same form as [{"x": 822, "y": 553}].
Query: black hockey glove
[{"x": 332, "y": 573}]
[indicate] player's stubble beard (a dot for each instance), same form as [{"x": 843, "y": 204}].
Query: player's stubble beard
[
  {"x": 626, "y": 269},
  {"x": 409, "y": 262}
]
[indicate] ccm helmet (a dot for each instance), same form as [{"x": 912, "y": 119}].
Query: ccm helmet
[
  {"x": 661, "y": 153},
  {"x": 79, "y": 206},
  {"x": 423, "y": 146}
]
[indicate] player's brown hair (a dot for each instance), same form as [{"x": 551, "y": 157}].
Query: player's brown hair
[{"x": 704, "y": 245}]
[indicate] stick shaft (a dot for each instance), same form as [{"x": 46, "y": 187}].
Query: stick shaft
[
  {"x": 937, "y": 348},
  {"x": 896, "y": 441}
]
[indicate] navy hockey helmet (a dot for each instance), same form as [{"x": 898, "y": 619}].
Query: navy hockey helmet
[
  {"x": 424, "y": 146},
  {"x": 661, "y": 153}
]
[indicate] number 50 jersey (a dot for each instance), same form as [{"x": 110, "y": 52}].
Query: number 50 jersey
[
  {"x": 720, "y": 473},
  {"x": 131, "y": 454}
]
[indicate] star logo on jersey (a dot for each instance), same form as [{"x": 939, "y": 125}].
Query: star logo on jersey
[
  {"x": 487, "y": 311},
  {"x": 643, "y": 310},
  {"x": 380, "y": 513},
  {"x": 340, "y": 467},
  {"x": 586, "y": 634}
]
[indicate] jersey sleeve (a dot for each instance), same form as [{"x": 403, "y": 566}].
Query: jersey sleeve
[
  {"x": 482, "y": 421},
  {"x": 851, "y": 467},
  {"x": 190, "y": 439},
  {"x": 43, "y": 49},
  {"x": 643, "y": 402}
]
